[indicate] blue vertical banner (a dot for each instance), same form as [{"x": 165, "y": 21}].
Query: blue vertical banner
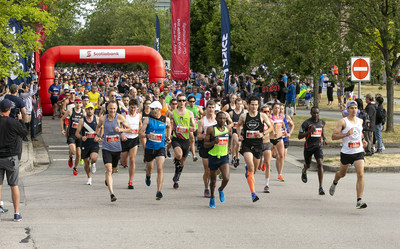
[
  {"x": 157, "y": 34},
  {"x": 226, "y": 43},
  {"x": 15, "y": 28}
]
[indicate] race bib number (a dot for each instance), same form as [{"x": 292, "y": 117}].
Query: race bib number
[
  {"x": 317, "y": 132},
  {"x": 354, "y": 145},
  {"x": 75, "y": 125},
  {"x": 112, "y": 139},
  {"x": 157, "y": 138},
  {"x": 182, "y": 129},
  {"x": 135, "y": 131},
  {"x": 90, "y": 134},
  {"x": 252, "y": 134},
  {"x": 283, "y": 132},
  {"x": 235, "y": 124},
  {"x": 223, "y": 141},
  {"x": 277, "y": 125}
]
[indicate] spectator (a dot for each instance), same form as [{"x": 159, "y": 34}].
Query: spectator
[
  {"x": 11, "y": 132},
  {"x": 27, "y": 95},
  {"x": 371, "y": 110},
  {"x": 379, "y": 122},
  {"x": 291, "y": 96},
  {"x": 18, "y": 103}
]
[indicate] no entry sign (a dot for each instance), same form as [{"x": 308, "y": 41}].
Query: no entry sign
[{"x": 360, "y": 69}]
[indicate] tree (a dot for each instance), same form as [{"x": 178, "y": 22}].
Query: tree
[{"x": 28, "y": 13}]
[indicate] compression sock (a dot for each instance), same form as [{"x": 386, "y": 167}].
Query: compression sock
[{"x": 250, "y": 181}]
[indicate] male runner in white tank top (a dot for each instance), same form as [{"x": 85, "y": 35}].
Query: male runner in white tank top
[{"x": 349, "y": 129}]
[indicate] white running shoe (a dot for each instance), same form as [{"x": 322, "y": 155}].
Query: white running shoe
[
  {"x": 89, "y": 181},
  {"x": 93, "y": 168}
]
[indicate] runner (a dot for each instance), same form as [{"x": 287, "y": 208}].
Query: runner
[
  {"x": 235, "y": 114},
  {"x": 156, "y": 130},
  {"x": 349, "y": 129},
  {"x": 74, "y": 115},
  {"x": 86, "y": 131},
  {"x": 276, "y": 139},
  {"x": 253, "y": 127},
  {"x": 130, "y": 141},
  {"x": 217, "y": 139},
  {"x": 207, "y": 121},
  {"x": 197, "y": 113},
  {"x": 111, "y": 124},
  {"x": 173, "y": 105},
  {"x": 54, "y": 91},
  {"x": 312, "y": 130},
  {"x": 266, "y": 148},
  {"x": 146, "y": 112},
  {"x": 287, "y": 130},
  {"x": 112, "y": 96},
  {"x": 182, "y": 123},
  {"x": 94, "y": 98}
]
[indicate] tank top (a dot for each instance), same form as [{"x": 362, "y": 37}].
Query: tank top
[
  {"x": 221, "y": 148},
  {"x": 285, "y": 129},
  {"x": 181, "y": 125},
  {"x": 195, "y": 114},
  {"x": 70, "y": 105},
  {"x": 134, "y": 125},
  {"x": 89, "y": 130},
  {"x": 277, "y": 122},
  {"x": 144, "y": 114},
  {"x": 74, "y": 121},
  {"x": 352, "y": 144},
  {"x": 235, "y": 118},
  {"x": 207, "y": 124},
  {"x": 158, "y": 127},
  {"x": 251, "y": 128},
  {"x": 111, "y": 138}
]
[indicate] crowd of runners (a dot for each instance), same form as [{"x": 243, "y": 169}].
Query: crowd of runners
[{"x": 122, "y": 110}]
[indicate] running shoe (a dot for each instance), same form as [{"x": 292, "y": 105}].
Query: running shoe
[
  {"x": 221, "y": 195},
  {"x": 168, "y": 154},
  {"x": 212, "y": 203},
  {"x": 2, "y": 209},
  {"x": 207, "y": 193},
  {"x": 130, "y": 185},
  {"x": 254, "y": 197},
  {"x": 81, "y": 162},
  {"x": 17, "y": 217},
  {"x": 263, "y": 167},
  {"x": 70, "y": 163},
  {"x": 236, "y": 164},
  {"x": 93, "y": 168},
  {"x": 245, "y": 173},
  {"x": 361, "y": 204},
  {"x": 75, "y": 171},
  {"x": 116, "y": 170},
  {"x": 176, "y": 185},
  {"x": 195, "y": 159},
  {"x": 233, "y": 160},
  {"x": 89, "y": 181},
  {"x": 321, "y": 191},
  {"x": 125, "y": 166},
  {"x": 148, "y": 181},
  {"x": 332, "y": 189},
  {"x": 266, "y": 189},
  {"x": 304, "y": 176},
  {"x": 113, "y": 198},
  {"x": 159, "y": 195},
  {"x": 280, "y": 178}
]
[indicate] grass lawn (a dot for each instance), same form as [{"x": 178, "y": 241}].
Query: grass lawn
[
  {"x": 330, "y": 125},
  {"x": 365, "y": 89},
  {"x": 370, "y": 161}
]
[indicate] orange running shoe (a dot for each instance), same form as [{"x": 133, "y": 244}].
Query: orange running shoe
[
  {"x": 75, "y": 171},
  {"x": 263, "y": 167},
  {"x": 280, "y": 178},
  {"x": 70, "y": 163}
]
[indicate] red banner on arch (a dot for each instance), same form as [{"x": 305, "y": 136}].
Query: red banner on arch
[{"x": 180, "y": 39}]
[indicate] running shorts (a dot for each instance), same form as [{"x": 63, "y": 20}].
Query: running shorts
[
  {"x": 184, "y": 144},
  {"x": 317, "y": 152},
  {"x": 256, "y": 150},
  {"x": 346, "y": 159},
  {"x": 86, "y": 152},
  {"x": 129, "y": 144},
  {"x": 111, "y": 157},
  {"x": 150, "y": 155},
  {"x": 214, "y": 162}
]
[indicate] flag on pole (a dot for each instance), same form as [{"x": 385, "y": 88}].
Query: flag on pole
[
  {"x": 226, "y": 43},
  {"x": 180, "y": 39},
  {"x": 15, "y": 28},
  {"x": 157, "y": 34}
]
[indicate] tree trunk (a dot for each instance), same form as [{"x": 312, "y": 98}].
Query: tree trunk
[{"x": 390, "y": 99}]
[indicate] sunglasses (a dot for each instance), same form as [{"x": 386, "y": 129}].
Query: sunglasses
[
  {"x": 192, "y": 101},
  {"x": 267, "y": 111},
  {"x": 113, "y": 95},
  {"x": 181, "y": 100},
  {"x": 174, "y": 103},
  {"x": 67, "y": 95}
]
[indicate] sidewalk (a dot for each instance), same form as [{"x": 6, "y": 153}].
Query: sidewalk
[{"x": 34, "y": 155}]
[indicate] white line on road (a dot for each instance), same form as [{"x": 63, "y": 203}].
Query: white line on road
[
  {"x": 58, "y": 146},
  {"x": 58, "y": 150},
  {"x": 61, "y": 159}
]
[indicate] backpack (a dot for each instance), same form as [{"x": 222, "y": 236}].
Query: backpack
[{"x": 366, "y": 120}]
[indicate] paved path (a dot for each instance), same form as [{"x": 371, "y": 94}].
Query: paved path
[{"x": 60, "y": 211}]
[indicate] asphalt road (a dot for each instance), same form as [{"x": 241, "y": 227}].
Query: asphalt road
[{"x": 60, "y": 211}]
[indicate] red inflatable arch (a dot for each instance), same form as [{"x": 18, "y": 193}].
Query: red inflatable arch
[{"x": 94, "y": 54}]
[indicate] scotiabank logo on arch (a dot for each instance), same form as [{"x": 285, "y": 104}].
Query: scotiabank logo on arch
[{"x": 102, "y": 53}]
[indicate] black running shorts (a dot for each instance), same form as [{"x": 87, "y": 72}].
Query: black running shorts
[
  {"x": 150, "y": 155},
  {"x": 346, "y": 159},
  {"x": 317, "y": 152},
  {"x": 86, "y": 152},
  {"x": 129, "y": 144},
  {"x": 111, "y": 157},
  {"x": 256, "y": 150},
  {"x": 184, "y": 144},
  {"x": 214, "y": 162}
]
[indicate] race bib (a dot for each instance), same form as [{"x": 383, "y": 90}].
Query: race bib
[
  {"x": 235, "y": 124},
  {"x": 252, "y": 134},
  {"x": 90, "y": 134},
  {"x": 283, "y": 132},
  {"x": 317, "y": 132},
  {"x": 223, "y": 141},
  {"x": 278, "y": 125},
  {"x": 157, "y": 138},
  {"x": 75, "y": 125},
  {"x": 135, "y": 131},
  {"x": 354, "y": 145},
  {"x": 112, "y": 139},
  {"x": 182, "y": 129}
]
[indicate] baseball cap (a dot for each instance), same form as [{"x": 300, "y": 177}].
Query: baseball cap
[
  {"x": 90, "y": 105},
  {"x": 155, "y": 105},
  {"x": 77, "y": 99},
  {"x": 66, "y": 87},
  {"x": 351, "y": 103},
  {"x": 5, "y": 104},
  {"x": 189, "y": 86}
]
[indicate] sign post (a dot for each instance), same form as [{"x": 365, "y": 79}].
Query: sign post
[{"x": 360, "y": 70}]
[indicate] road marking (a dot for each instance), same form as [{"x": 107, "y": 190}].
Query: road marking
[
  {"x": 58, "y": 150},
  {"x": 58, "y": 146},
  {"x": 61, "y": 159}
]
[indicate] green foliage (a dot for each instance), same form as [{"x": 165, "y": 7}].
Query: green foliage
[{"x": 26, "y": 42}]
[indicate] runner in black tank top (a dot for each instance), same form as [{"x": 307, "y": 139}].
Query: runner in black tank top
[{"x": 235, "y": 138}]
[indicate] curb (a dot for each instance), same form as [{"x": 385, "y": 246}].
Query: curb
[
  {"x": 33, "y": 156},
  {"x": 338, "y": 145},
  {"x": 332, "y": 168}
]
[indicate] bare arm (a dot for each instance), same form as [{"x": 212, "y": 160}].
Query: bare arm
[
  {"x": 78, "y": 131},
  {"x": 209, "y": 135},
  {"x": 122, "y": 123},
  {"x": 66, "y": 114},
  {"x": 142, "y": 130},
  {"x": 192, "y": 123},
  {"x": 337, "y": 133},
  {"x": 99, "y": 126},
  {"x": 241, "y": 120},
  {"x": 268, "y": 122},
  {"x": 200, "y": 135}
]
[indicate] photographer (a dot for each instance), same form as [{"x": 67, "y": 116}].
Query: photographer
[{"x": 11, "y": 133}]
